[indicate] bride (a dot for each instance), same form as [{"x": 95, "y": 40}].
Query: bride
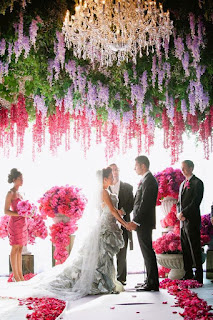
[{"x": 89, "y": 269}]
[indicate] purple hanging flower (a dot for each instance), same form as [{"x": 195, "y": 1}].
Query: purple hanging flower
[
  {"x": 184, "y": 109},
  {"x": 10, "y": 51},
  {"x": 179, "y": 47},
  {"x": 33, "y": 32},
  {"x": 26, "y": 46},
  {"x": 103, "y": 95},
  {"x": 166, "y": 48},
  {"x": 191, "y": 97},
  {"x": 39, "y": 103},
  {"x": 91, "y": 94},
  {"x": 127, "y": 117},
  {"x": 2, "y": 47},
  {"x": 126, "y": 78},
  {"x": 70, "y": 68},
  {"x": 60, "y": 48},
  {"x": 81, "y": 80},
  {"x": 200, "y": 70},
  {"x": 192, "y": 24},
  {"x": 134, "y": 71},
  {"x": 185, "y": 63},
  {"x": 201, "y": 31},
  {"x": 170, "y": 109},
  {"x": 68, "y": 100},
  {"x": 161, "y": 74}
]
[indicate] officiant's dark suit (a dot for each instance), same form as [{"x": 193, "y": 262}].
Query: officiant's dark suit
[
  {"x": 190, "y": 197},
  {"x": 126, "y": 200},
  {"x": 144, "y": 217}
]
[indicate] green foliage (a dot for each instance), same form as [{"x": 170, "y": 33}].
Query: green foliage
[{"x": 30, "y": 74}]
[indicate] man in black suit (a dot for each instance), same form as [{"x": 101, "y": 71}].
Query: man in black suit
[
  {"x": 144, "y": 221},
  {"x": 124, "y": 192},
  {"x": 188, "y": 212}
]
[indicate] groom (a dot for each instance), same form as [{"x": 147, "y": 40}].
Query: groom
[{"x": 144, "y": 221}]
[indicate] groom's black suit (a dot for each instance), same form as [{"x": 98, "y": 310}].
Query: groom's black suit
[
  {"x": 126, "y": 200},
  {"x": 189, "y": 201},
  {"x": 144, "y": 214}
]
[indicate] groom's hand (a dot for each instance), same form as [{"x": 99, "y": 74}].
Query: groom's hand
[{"x": 132, "y": 226}]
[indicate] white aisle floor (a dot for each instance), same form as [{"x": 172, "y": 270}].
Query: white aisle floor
[{"x": 128, "y": 305}]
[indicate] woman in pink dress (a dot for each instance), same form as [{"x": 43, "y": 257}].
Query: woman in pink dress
[{"x": 17, "y": 227}]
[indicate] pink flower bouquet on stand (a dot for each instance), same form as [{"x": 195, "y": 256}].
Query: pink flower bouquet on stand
[
  {"x": 65, "y": 205},
  {"x": 169, "y": 181}
]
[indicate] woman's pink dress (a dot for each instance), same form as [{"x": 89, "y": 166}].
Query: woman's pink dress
[{"x": 17, "y": 227}]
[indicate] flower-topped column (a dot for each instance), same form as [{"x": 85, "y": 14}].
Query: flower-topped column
[
  {"x": 66, "y": 206},
  {"x": 169, "y": 181}
]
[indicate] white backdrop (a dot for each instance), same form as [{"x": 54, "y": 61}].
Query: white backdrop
[{"x": 73, "y": 168}]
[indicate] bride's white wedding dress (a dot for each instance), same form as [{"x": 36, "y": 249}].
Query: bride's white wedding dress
[{"x": 89, "y": 269}]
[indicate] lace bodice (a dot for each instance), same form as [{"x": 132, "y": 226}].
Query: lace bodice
[{"x": 106, "y": 215}]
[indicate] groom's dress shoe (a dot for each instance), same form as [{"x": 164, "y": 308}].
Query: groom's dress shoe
[
  {"x": 148, "y": 288},
  {"x": 199, "y": 279},
  {"x": 141, "y": 284}
]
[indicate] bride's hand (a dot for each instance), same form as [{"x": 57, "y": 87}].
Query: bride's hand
[
  {"x": 127, "y": 226},
  {"x": 121, "y": 213}
]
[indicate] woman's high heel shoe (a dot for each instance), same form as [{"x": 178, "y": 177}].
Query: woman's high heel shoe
[{"x": 13, "y": 279}]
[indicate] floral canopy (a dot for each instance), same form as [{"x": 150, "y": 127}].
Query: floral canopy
[{"x": 41, "y": 81}]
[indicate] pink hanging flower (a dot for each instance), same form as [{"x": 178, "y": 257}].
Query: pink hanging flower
[{"x": 36, "y": 228}]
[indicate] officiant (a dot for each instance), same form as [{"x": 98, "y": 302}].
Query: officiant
[{"x": 124, "y": 191}]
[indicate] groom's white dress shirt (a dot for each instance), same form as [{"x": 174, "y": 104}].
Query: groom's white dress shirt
[{"x": 115, "y": 187}]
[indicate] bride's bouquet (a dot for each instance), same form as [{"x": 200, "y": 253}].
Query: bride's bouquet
[{"x": 26, "y": 209}]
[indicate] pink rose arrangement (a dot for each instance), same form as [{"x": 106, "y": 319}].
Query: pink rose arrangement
[
  {"x": 68, "y": 201},
  {"x": 206, "y": 228},
  {"x": 169, "y": 181},
  {"x": 168, "y": 243},
  {"x": 26, "y": 209}
]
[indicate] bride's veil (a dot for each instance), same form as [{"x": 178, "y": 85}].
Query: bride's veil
[{"x": 56, "y": 281}]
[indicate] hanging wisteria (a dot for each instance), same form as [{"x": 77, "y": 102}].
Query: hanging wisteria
[{"x": 67, "y": 98}]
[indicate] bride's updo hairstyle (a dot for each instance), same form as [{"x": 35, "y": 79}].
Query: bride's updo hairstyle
[
  {"x": 13, "y": 175},
  {"x": 104, "y": 173}
]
